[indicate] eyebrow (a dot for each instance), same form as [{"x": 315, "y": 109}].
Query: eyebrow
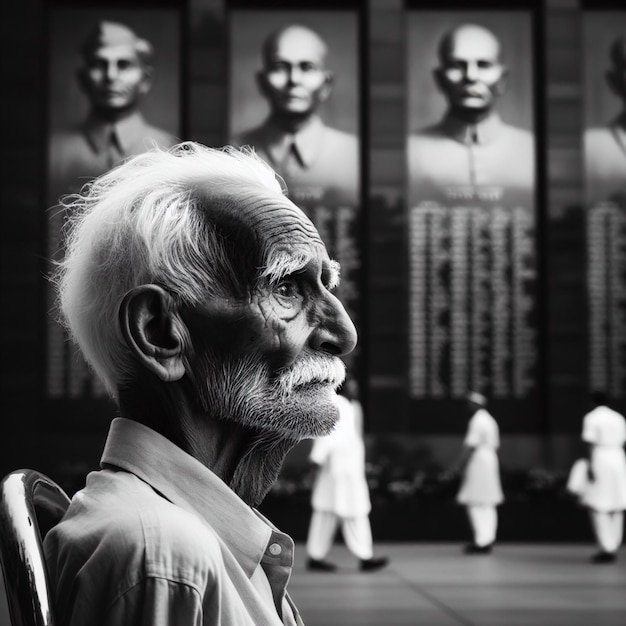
[{"x": 284, "y": 264}]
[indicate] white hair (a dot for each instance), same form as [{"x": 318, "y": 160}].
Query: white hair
[{"x": 152, "y": 220}]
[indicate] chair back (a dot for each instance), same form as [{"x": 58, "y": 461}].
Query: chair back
[{"x": 30, "y": 505}]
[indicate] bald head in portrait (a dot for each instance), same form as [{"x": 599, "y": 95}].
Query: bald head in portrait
[
  {"x": 605, "y": 146},
  {"x": 115, "y": 75},
  {"x": 296, "y": 81},
  {"x": 471, "y": 145}
]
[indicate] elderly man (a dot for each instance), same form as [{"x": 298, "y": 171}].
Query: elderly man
[
  {"x": 471, "y": 146},
  {"x": 313, "y": 158},
  {"x": 203, "y": 298},
  {"x": 115, "y": 76},
  {"x": 605, "y": 147}
]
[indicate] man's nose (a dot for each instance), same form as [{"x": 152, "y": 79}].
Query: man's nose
[
  {"x": 471, "y": 71},
  {"x": 111, "y": 71},
  {"x": 335, "y": 334},
  {"x": 295, "y": 75}
]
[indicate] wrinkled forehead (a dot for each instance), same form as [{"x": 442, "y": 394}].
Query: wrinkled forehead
[
  {"x": 281, "y": 226},
  {"x": 274, "y": 231},
  {"x": 473, "y": 43}
]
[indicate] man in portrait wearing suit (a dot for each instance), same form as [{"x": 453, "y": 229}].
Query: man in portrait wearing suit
[
  {"x": 115, "y": 75},
  {"x": 605, "y": 146},
  {"x": 314, "y": 159},
  {"x": 471, "y": 146}
]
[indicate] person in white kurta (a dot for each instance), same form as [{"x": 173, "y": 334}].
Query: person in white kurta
[
  {"x": 604, "y": 431},
  {"x": 340, "y": 494},
  {"x": 481, "y": 490}
]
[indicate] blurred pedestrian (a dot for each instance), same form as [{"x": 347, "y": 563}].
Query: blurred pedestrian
[
  {"x": 480, "y": 490},
  {"x": 604, "y": 433},
  {"x": 340, "y": 493}
]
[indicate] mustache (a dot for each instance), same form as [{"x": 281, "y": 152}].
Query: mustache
[{"x": 312, "y": 369}]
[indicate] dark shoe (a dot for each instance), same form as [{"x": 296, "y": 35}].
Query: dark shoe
[
  {"x": 320, "y": 566},
  {"x": 371, "y": 565},
  {"x": 604, "y": 557},
  {"x": 472, "y": 548}
]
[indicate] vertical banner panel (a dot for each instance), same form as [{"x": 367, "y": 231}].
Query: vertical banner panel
[
  {"x": 295, "y": 97},
  {"x": 472, "y": 202},
  {"x": 604, "y": 88},
  {"x": 114, "y": 90}
]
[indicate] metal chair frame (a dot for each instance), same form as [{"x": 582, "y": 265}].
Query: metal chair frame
[{"x": 30, "y": 505}]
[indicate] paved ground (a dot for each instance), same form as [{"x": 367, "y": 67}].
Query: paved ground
[{"x": 436, "y": 585}]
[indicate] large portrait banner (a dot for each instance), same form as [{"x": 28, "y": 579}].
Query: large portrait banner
[
  {"x": 294, "y": 97},
  {"x": 114, "y": 91},
  {"x": 604, "y": 141},
  {"x": 471, "y": 175}
]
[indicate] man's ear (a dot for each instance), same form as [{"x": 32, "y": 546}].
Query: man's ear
[
  {"x": 439, "y": 79},
  {"x": 261, "y": 82},
  {"x": 154, "y": 331},
  {"x": 327, "y": 87},
  {"x": 612, "y": 81},
  {"x": 81, "y": 79},
  {"x": 148, "y": 77},
  {"x": 503, "y": 83}
]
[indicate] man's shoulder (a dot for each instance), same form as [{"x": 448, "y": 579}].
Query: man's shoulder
[
  {"x": 118, "y": 518},
  {"x": 341, "y": 137},
  {"x": 253, "y": 136},
  {"x": 598, "y": 137},
  {"x": 163, "y": 138}
]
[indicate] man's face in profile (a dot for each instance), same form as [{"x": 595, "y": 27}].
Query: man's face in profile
[
  {"x": 471, "y": 75},
  {"x": 114, "y": 78},
  {"x": 294, "y": 78},
  {"x": 270, "y": 361}
]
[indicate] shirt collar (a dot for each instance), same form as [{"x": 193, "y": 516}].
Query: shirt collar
[
  {"x": 128, "y": 130},
  {"x": 482, "y": 133},
  {"x": 184, "y": 481},
  {"x": 307, "y": 141}
]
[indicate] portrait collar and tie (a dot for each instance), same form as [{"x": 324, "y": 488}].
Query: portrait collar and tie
[
  {"x": 120, "y": 136},
  {"x": 301, "y": 147},
  {"x": 482, "y": 133}
]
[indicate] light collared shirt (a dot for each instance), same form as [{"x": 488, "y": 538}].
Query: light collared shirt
[
  {"x": 454, "y": 153},
  {"x": 316, "y": 161},
  {"x": 156, "y": 538},
  {"x": 78, "y": 155}
]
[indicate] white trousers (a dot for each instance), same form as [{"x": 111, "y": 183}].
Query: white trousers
[
  {"x": 484, "y": 522},
  {"x": 608, "y": 528},
  {"x": 356, "y": 531}
]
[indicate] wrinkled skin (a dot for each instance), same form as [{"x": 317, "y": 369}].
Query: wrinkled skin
[{"x": 260, "y": 368}]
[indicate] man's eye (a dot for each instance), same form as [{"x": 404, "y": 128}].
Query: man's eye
[{"x": 288, "y": 289}]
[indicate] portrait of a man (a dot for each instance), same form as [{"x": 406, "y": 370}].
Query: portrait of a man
[
  {"x": 295, "y": 79},
  {"x": 471, "y": 145},
  {"x": 113, "y": 92},
  {"x": 114, "y": 76},
  {"x": 605, "y": 144}
]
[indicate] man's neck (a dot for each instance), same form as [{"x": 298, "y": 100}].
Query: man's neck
[
  {"x": 113, "y": 116},
  {"x": 248, "y": 461},
  {"x": 292, "y": 124},
  {"x": 471, "y": 117}
]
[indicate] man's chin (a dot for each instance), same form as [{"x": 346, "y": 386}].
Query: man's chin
[{"x": 319, "y": 407}]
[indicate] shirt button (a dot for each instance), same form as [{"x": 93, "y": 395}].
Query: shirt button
[{"x": 275, "y": 549}]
